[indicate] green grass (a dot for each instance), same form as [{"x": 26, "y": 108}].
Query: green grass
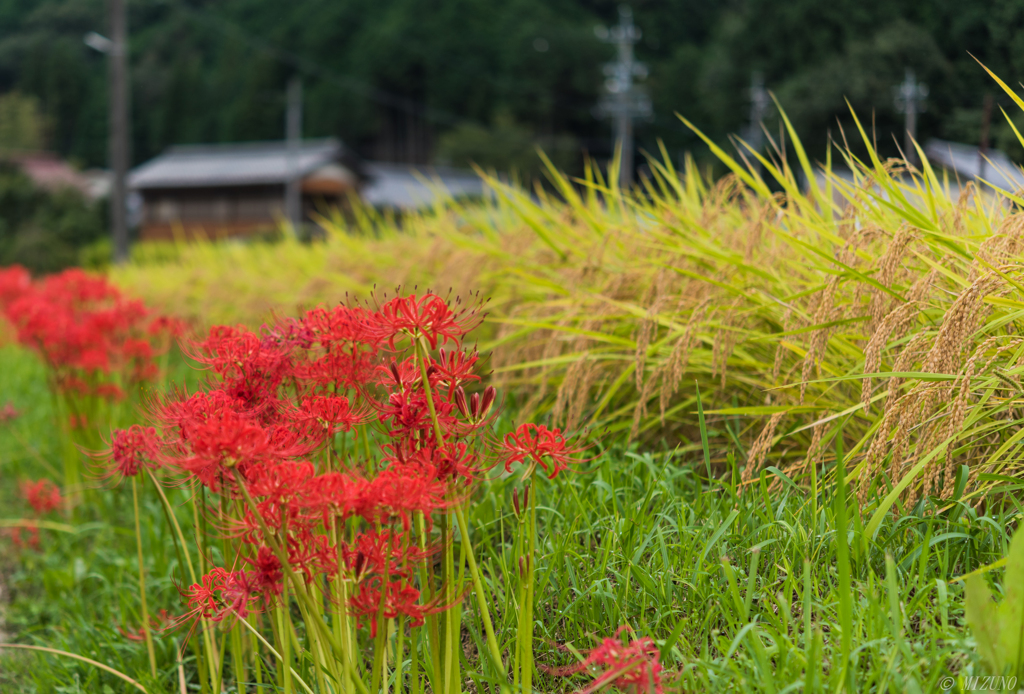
[{"x": 743, "y": 588}]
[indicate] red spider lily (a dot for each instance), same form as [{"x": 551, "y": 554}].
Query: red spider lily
[
  {"x": 451, "y": 460},
  {"x": 405, "y": 374},
  {"x": 43, "y": 495},
  {"x": 332, "y": 412},
  {"x": 334, "y": 495},
  {"x": 337, "y": 370},
  {"x": 158, "y": 622},
  {"x": 399, "y": 598},
  {"x": 409, "y": 414},
  {"x": 236, "y": 590},
  {"x": 429, "y": 317},
  {"x": 18, "y": 542},
  {"x": 383, "y": 552},
  {"x": 14, "y": 281},
  {"x": 632, "y": 667},
  {"x": 83, "y": 329},
  {"x": 222, "y": 443},
  {"x": 132, "y": 448},
  {"x": 399, "y": 491},
  {"x": 535, "y": 445},
  {"x": 341, "y": 324},
  {"x": 8, "y": 413},
  {"x": 280, "y": 481},
  {"x": 456, "y": 368},
  {"x": 268, "y": 576}
]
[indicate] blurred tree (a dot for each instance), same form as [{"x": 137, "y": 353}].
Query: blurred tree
[
  {"x": 506, "y": 146},
  {"x": 398, "y": 78},
  {"x": 21, "y": 123},
  {"x": 44, "y": 231}
]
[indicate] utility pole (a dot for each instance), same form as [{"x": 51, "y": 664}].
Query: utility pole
[
  {"x": 293, "y": 136},
  {"x": 910, "y": 98},
  {"x": 759, "y": 102},
  {"x": 119, "y": 124},
  {"x": 624, "y": 101},
  {"x": 986, "y": 120}
]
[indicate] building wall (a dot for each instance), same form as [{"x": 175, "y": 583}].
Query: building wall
[
  {"x": 188, "y": 213},
  {"x": 210, "y": 212}
]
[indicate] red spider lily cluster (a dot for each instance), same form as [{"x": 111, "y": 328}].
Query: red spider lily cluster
[
  {"x": 8, "y": 413},
  {"x": 44, "y": 498},
  {"x": 95, "y": 341},
  {"x": 632, "y": 667},
  {"x": 334, "y": 441},
  {"x": 42, "y": 495}
]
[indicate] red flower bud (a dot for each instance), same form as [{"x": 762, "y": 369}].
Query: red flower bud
[
  {"x": 489, "y": 394},
  {"x": 460, "y": 402}
]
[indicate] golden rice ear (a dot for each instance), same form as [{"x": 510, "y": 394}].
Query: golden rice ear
[{"x": 759, "y": 450}]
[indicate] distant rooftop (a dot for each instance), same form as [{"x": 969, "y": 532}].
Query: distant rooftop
[
  {"x": 995, "y": 167},
  {"x": 254, "y": 163},
  {"x": 407, "y": 187}
]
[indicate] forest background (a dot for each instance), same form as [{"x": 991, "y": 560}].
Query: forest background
[{"x": 454, "y": 80}]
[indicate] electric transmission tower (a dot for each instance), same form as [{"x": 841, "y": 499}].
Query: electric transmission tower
[
  {"x": 910, "y": 96},
  {"x": 759, "y": 104},
  {"x": 624, "y": 101}
]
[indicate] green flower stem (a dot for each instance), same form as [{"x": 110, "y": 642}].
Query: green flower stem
[
  {"x": 427, "y": 583},
  {"x": 526, "y": 623},
  {"x": 286, "y": 644},
  {"x": 142, "y": 581},
  {"x": 399, "y": 653},
  {"x": 207, "y": 644},
  {"x": 478, "y": 588},
  {"x": 312, "y": 611},
  {"x": 452, "y": 631},
  {"x": 277, "y": 655}
]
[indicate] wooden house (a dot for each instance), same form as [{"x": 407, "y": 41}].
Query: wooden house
[{"x": 237, "y": 189}]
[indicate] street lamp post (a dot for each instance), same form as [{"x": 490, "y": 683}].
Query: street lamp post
[{"x": 116, "y": 50}]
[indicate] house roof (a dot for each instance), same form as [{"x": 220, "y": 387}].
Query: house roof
[
  {"x": 253, "y": 163},
  {"x": 964, "y": 160},
  {"x": 406, "y": 187}
]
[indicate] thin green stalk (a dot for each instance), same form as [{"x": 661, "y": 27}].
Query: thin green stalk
[
  {"x": 453, "y": 628},
  {"x": 526, "y": 628},
  {"x": 317, "y": 620},
  {"x": 142, "y": 580},
  {"x": 399, "y": 653},
  {"x": 205, "y": 632},
  {"x": 431, "y": 621},
  {"x": 286, "y": 643},
  {"x": 843, "y": 564},
  {"x": 277, "y": 655},
  {"x": 481, "y": 597}
]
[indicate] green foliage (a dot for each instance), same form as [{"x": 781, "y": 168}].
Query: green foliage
[
  {"x": 999, "y": 627},
  {"x": 21, "y": 123},
  {"x": 505, "y": 147},
  {"x": 376, "y": 71},
  {"x": 44, "y": 230}
]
